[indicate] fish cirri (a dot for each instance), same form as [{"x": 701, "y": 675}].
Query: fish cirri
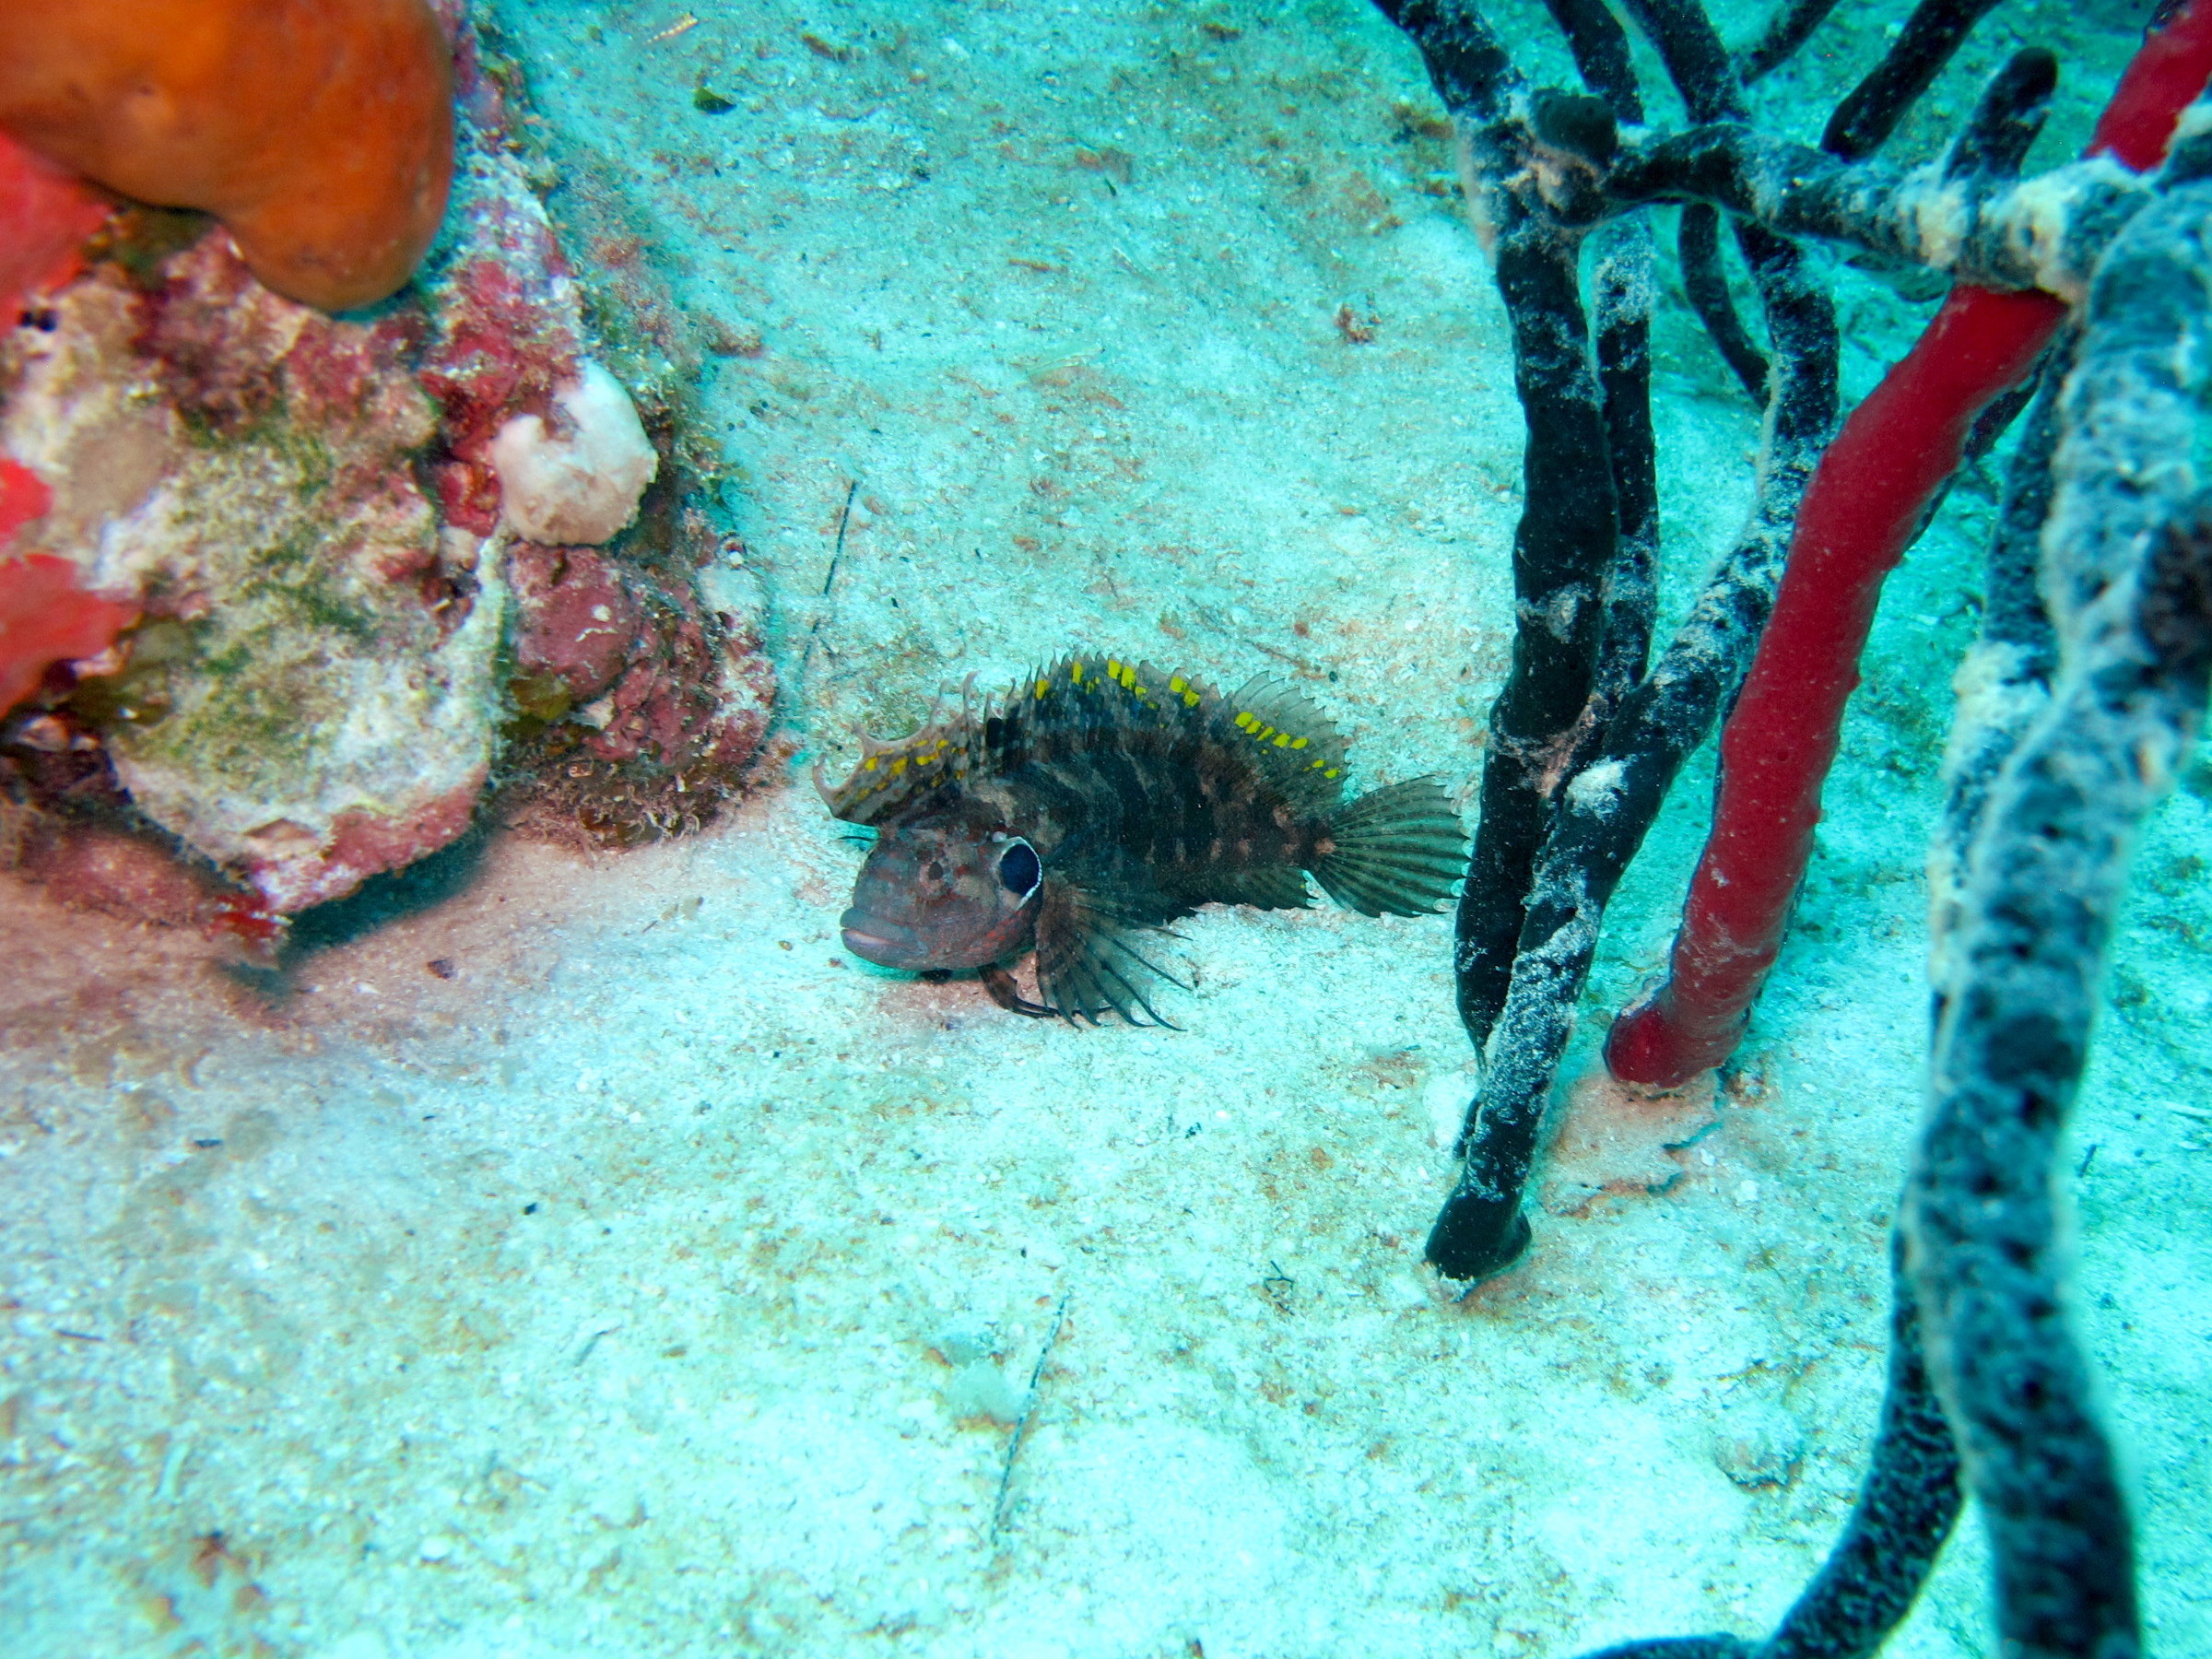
[{"x": 1099, "y": 798}]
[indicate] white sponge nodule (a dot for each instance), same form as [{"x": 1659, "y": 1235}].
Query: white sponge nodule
[{"x": 580, "y": 485}]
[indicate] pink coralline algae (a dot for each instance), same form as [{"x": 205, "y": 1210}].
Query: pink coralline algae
[
  {"x": 583, "y": 622},
  {"x": 507, "y": 331},
  {"x": 641, "y": 707},
  {"x": 342, "y": 641}
]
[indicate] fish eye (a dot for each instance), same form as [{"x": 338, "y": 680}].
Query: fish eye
[{"x": 1019, "y": 869}]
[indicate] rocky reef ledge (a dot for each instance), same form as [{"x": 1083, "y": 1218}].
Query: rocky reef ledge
[{"x": 385, "y": 567}]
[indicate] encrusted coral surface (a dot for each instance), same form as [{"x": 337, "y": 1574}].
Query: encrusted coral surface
[
  {"x": 506, "y": 329},
  {"x": 246, "y": 465},
  {"x": 306, "y": 509}
]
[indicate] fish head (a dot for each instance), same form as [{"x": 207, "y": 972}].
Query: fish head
[{"x": 944, "y": 894}]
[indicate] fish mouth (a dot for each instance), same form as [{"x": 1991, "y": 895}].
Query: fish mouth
[{"x": 886, "y": 944}]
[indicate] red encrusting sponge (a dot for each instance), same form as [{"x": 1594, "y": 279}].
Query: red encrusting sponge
[
  {"x": 44, "y": 616},
  {"x": 46, "y": 213}
]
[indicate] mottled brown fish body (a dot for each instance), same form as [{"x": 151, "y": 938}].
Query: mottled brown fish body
[{"x": 1099, "y": 798}]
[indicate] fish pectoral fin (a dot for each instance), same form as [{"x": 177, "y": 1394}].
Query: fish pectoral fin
[
  {"x": 1086, "y": 966},
  {"x": 1007, "y": 994}
]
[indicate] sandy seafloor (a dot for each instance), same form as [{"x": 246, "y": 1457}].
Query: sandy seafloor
[{"x": 660, "y": 1283}]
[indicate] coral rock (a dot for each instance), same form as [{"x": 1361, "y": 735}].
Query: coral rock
[
  {"x": 321, "y": 136},
  {"x": 248, "y": 462},
  {"x": 308, "y": 511},
  {"x": 578, "y": 623},
  {"x": 643, "y": 696},
  {"x": 294, "y": 867}
]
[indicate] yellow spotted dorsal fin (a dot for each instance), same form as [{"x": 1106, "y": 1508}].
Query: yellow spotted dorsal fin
[
  {"x": 1297, "y": 747},
  {"x": 892, "y": 775}
]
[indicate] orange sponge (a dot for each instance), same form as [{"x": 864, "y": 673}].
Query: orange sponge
[{"x": 320, "y": 131}]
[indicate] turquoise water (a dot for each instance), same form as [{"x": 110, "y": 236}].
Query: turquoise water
[{"x": 666, "y": 1281}]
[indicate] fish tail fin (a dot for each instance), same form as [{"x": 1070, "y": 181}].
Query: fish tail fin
[{"x": 1395, "y": 852}]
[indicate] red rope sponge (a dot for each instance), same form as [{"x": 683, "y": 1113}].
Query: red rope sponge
[{"x": 1864, "y": 502}]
